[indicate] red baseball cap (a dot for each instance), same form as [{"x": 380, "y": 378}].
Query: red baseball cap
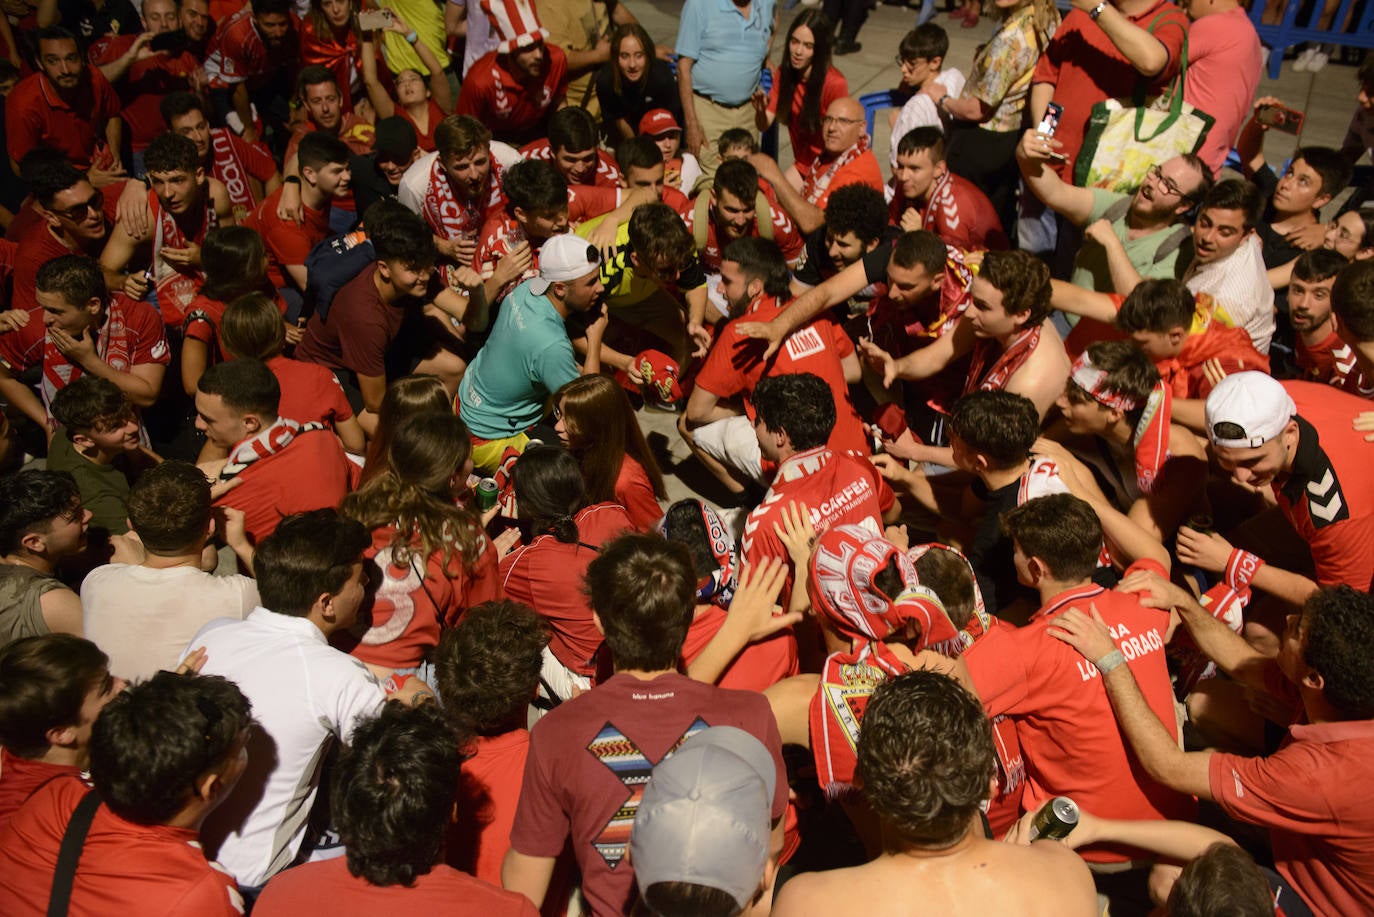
[{"x": 658, "y": 121}]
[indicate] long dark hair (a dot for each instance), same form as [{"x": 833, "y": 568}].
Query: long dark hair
[
  {"x": 638, "y": 33},
  {"x": 602, "y": 431},
  {"x": 232, "y": 259},
  {"x": 823, "y": 32},
  {"x": 549, "y": 492}
]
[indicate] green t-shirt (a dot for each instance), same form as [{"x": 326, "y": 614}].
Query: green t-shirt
[
  {"x": 104, "y": 488},
  {"x": 1090, "y": 269}
]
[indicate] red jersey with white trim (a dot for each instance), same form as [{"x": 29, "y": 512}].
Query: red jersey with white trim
[
  {"x": 142, "y": 88},
  {"x": 125, "y": 868},
  {"x": 758, "y": 666},
  {"x": 1328, "y": 495},
  {"x": 547, "y": 575},
  {"x": 958, "y": 212},
  {"x": 785, "y": 233},
  {"x": 586, "y": 202},
  {"x": 1333, "y": 362},
  {"x": 500, "y": 236},
  {"x": 1309, "y": 796},
  {"x": 131, "y": 335},
  {"x": 36, "y": 114},
  {"x": 736, "y": 364},
  {"x": 1069, "y": 736},
  {"x": 515, "y": 111},
  {"x": 233, "y": 161},
  {"x": 238, "y": 53},
  {"x": 415, "y": 598},
  {"x": 836, "y": 488},
  {"x": 607, "y": 173}
]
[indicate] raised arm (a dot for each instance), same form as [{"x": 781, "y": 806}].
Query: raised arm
[
  {"x": 382, "y": 102},
  {"x": 1033, "y": 154},
  {"x": 1145, "y": 53}
]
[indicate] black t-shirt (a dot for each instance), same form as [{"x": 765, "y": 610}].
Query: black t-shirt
[
  {"x": 632, "y": 103},
  {"x": 369, "y": 184},
  {"x": 990, "y": 552},
  {"x": 115, "y": 17},
  {"x": 821, "y": 267},
  {"x": 1277, "y": 250}
]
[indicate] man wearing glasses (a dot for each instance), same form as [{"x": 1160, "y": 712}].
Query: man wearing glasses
[
  {"x": 1126, "y": 238},
  {"x": 74, "y": 218},
  {"x": 846, "y": 160}
]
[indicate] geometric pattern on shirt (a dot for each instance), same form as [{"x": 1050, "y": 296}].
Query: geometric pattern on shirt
[{"x": 632, "y": 768}]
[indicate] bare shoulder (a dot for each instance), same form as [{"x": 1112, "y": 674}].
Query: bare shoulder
[
  {"x": 790, "y": 700},
  {"x": 822, "y": 893},
  {"x": 1052, "y": 866}
]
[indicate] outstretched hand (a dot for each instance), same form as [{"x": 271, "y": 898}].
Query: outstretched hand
[
  {"x": 797, "y": 534},
  {"x": 756, "y": 599}
]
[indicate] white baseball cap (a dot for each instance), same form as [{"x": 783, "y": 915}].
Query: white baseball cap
[
  {"x": 563, "y": 258},
  {"x": 1254, "y": 402}
]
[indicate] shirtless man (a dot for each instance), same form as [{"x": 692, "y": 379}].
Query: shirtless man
[{"x": 921, "y": 729}]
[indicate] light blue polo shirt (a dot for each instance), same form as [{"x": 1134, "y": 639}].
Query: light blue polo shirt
[
  {"x": 527, "y": 358},
  {"x": 728, "y": 49}
]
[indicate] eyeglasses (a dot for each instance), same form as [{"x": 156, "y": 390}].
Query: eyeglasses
[
  {"x": 831, "y": 119},
  {"x": 1168, "y": 184},
  {"x": 78, "y": 213},
  {"x": 904, "y": 62}
]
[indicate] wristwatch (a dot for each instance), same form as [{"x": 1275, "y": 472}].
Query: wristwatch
[{"x": 1097, "y": 10}]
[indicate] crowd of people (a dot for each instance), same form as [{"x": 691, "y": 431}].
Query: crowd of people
[{"x": 337, "y": 573}]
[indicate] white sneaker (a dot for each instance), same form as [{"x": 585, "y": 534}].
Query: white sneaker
[
  {"x": 1318, "y": 61},
  {"x": 1264, "y": 59},
  {"x": 1304, "y": 59}
]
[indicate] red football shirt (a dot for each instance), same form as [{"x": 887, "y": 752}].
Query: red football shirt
[
  {"x": 516, "y": 112},
  {"x": 1321, "y": 826},
  {"x": 287, "y": 243},
  {"x": 785, "y": 234},
  {"x": 635, "y": 492},
  {"x": 607, "y": 173},
  {"x": 488, "y": 792},
  {"x": 312, "y": 472},
  {"x": 836, "y": 489},
  {"x": 142, "y": 89},
  {"x": 411, "y": 602},
  {"x": 758, "y": 666},
  {"x": 547, "y": 575},
  {"x": 1329, "y": 494},
  {"x": 1332, "y": 361},
  {"x": 20, "y": 777},
  {"x": 237, "y": 52},
  {"x": 309, "y": 392},
  {"x": 821, "y": 182},
  {"x": 36, "y": 114},
  {"x": 327, "y": 887},
  {"x": 125, "y": 868},
  {"x": 1069, "y": 736},
  {"x": 958, "y": 212},
  {"x": 735, "y": 365}
]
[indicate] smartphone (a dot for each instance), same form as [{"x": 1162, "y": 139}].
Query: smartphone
[
  {"x": 174, "y": 42},
  {"x": 1049, "y": 123},
  {"x": 374, "y": 20},
  {"x": 1280, "y": 118}
]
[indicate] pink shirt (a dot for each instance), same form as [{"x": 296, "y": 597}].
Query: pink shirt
[{"x": 1223, "y": 73}]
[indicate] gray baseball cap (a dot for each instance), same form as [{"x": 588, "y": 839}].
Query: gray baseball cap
[{"x": 705, "y": 815}]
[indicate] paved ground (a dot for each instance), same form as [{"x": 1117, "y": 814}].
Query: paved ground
[{"x": 1327, "y": 97}]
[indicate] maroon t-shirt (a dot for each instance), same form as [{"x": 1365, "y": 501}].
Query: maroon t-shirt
[
  {"x": 590, "y": 759},
  {"x": 356, "y": 330}
]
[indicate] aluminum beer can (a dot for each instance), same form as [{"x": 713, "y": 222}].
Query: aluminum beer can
[
  {"x": 486, "y": 494},
  {"x": 1055, "y": 820}
]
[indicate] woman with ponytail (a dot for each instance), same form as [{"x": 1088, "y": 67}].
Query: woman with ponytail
[
  {"x": 561, "y": 530},
  {"x": 432, "y": 558}
]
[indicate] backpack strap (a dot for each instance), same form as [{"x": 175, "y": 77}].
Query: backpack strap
[{"x": 69, "y": 854}]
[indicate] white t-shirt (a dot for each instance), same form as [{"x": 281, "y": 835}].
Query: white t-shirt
[
  {"x": 143, "y": 618},
  {"x": 1240, "y": 287},
  {"x": 920, "y": 111},
  {"x": 304, "y": 694}
]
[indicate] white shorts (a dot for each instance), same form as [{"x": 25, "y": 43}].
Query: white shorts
[{"x": 732, "y": 442}]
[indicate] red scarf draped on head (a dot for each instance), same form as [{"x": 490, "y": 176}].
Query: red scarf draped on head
[
  {"x": 1151, "y": 434},
  {"x": 819, "y": 180},
  {"x": 844, "y": 594},
  {"x": 989, "y": 373}
]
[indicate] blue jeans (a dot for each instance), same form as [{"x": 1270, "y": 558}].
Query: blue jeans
[{"x": 1037, "y": 229}]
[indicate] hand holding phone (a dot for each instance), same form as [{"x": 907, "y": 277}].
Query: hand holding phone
[
  {"x": 1280, "y": 118},
  {"x": 1049, "y": 123},
  {"x": 374, "y": 20}
]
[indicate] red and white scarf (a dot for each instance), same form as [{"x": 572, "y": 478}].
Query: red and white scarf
[
  {"x": 445, "y": 214},
  {"x": 227, "y": 165},
  {"x": 176, "y": 284},
  {"x": 818, "y": 181},
  {"x": 1151, "y": 435},
  {"x": 266, "y": 443},
  {"x": 112, "y": 345},
  {"x": 990, "y": 371}
]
